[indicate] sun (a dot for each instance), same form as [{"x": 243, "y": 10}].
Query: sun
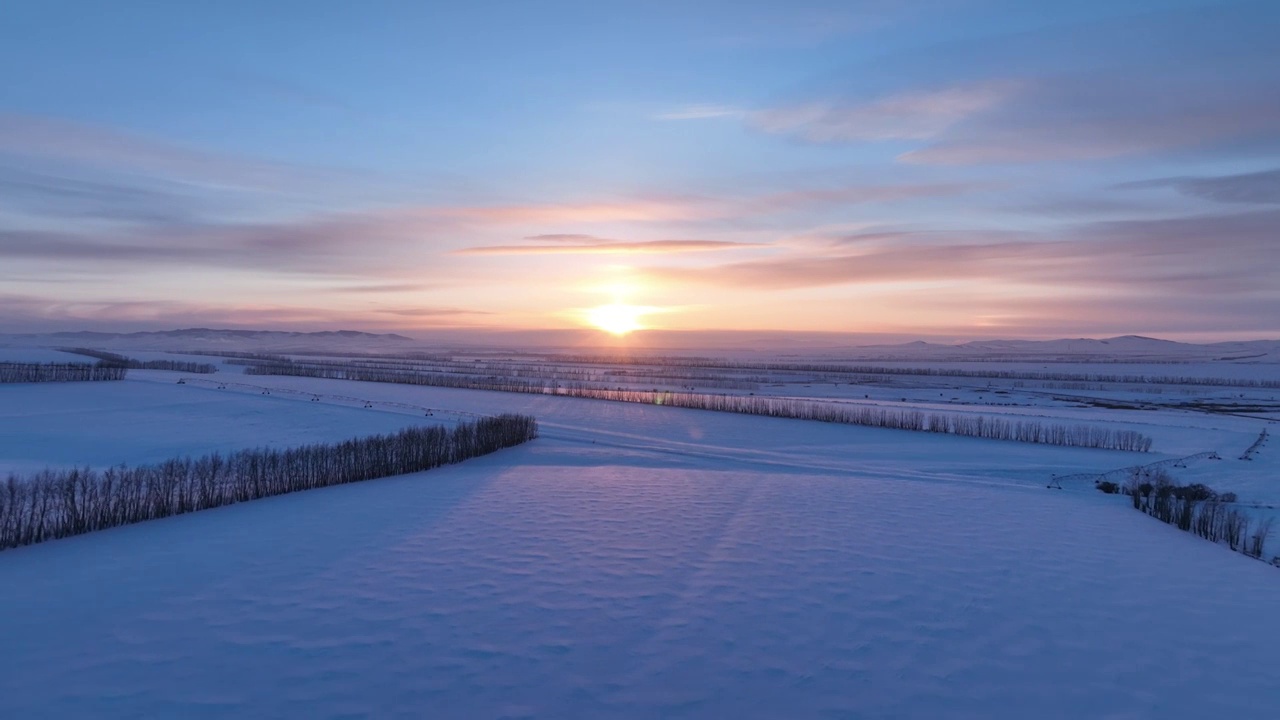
[{"x": 617, "y": 318}]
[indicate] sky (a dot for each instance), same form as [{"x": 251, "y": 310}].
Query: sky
[{"x": 915, "y": 168}]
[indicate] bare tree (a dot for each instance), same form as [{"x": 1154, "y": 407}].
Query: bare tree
[{"x": 55, "y": 504}]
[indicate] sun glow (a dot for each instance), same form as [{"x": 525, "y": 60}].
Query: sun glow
[{"x": 617, "y": 318}]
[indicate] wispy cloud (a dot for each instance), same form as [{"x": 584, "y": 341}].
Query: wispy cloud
[
  {"x": 632, "y": 209},
  {"x": 430, "y": 312},
  {"x": 683, "y": 208},
  {"x": 327, "y": 245},
  {"x": 117, "y": 151},
  {"x": 19, "y": 311},
  {"x": 1262, "y": 188},
  {"x": 1223, "y": 254},
  {"x": 701, "y": 112},
  {"x": 913, "y": 115},
  {"x": 71, "y": 169},
  {"x": 1094, "y": 116},
  {"x": 859, "y": 194},
  {"x": 1086, "y": 206},
  {"x": 565, "y": 238},
  {"x": 602, "y": 246},
  {"x": 44, "y": 245},
  {"x": 378, "y": 288},
  {"x": 375, "y": 242},
  {"x": 1210, "y": 273},
  {"x": 68, "y": 195}
]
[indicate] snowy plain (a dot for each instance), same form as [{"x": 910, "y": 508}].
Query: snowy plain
[
  {"x": 634, "y": 562},
  {"x": 141, "y": 421},
  {"x": 38, "y": 355}
]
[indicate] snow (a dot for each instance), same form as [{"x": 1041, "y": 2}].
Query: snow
[
  {"x": 39, "y": 355},
  {"x": 725, "y": 437},
  {"x": 214, "y": 360},
  {"x": 138, "y": 421},
  {"x": 544, "y": 583},
  {"x": 1241, "y": 370},
  {"x": 634, "y": 562},
  {"x": 1128, "y": 347}
]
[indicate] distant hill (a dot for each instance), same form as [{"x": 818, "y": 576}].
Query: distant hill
[
  {"x": 742, "y": 344},
  {"x": 1129, "y": 347},
  {"x": 221, "y": 339}
]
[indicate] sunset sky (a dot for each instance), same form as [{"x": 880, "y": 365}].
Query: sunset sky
[{"x": 962, "y": 168}]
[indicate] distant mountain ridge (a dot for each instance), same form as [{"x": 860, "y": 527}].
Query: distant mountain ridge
[
  {"x": 220, "y": 339},
  {"x": 1135, "y": 347},
  {"x": 745, "y": 344},
  {"x": 214, "y": 332}
]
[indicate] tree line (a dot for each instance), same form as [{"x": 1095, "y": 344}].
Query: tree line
[
  {"x": 965, "y": 425},
  {"x": 1196, "y": 509},
  {"x": 13, "y": 372},
  {"x": 59, "y": 503},
  {"x": 624, "y": 358},
  {"x": 664, "y": 366},
  {"x": 838, "y": 369},
  {"x": 537, "y": 372},
  {"x": 265, "y": 357},
  {"x": 111, "y": 359}
]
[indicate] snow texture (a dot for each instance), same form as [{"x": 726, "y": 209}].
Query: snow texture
[
  {"x": 39, "y": 355},
  {"x": 137, "y": 422},
  {"x": 531, "y": 585},
  {"x": 635, "y": 562}
]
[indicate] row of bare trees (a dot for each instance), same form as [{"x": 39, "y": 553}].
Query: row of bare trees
[
  {"x": 111, "y": 359},
  {"x": 1198, "y": 509},
  {"x": 712, "y": 371},
  {"x": 836, "y": 369},
  {"x": 401, "y": 377},
  {"x": 60, "y": 503},
  {"x": 545, "y": 374},
  {"x": 14, "y": 372},
  {"x": 966, "y": 425},
  {"x": 979, "y": 426},
  {"x": 261, "y": 357}
]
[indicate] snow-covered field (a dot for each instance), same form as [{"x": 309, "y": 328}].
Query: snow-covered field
[
  {"x": 39, "y": 355},
  {"x": 634, "y": 562},
  {"x": 149, "y": 418}
]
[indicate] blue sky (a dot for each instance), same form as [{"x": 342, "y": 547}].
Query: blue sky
[{"x": 965, "y": 168}]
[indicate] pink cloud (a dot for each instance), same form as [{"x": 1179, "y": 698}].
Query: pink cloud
[
  {"x": 1214, "y": 254},
  {"x": 610, "y": 247},
  {"x": 1104, "y": 116},
  {"x": 918, "y": 115},
  {"x": 630, "y": 210}
]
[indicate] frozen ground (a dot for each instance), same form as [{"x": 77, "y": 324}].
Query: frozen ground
[
  {"x": 627, "y": 427},
  {"x": 894, "y": 453},
  {"x": 149, "y": 418},
  {"x": 634, "y": 562},
  {"x": 552, "y": 582},
  {"x": 1238, "y": 370},
  {"x": 39, "y": 355},
  {"x": 183, "y": 357}
]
